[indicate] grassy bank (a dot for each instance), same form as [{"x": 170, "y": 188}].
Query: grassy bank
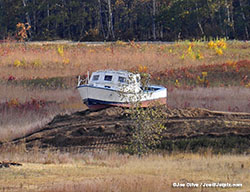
[{"x": 203, "y": 144}]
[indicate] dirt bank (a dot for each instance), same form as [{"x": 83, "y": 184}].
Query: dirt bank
[{"x": 104, "y": 129}]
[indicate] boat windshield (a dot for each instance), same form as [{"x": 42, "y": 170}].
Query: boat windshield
[
  {"x": 122, "y": 79},
  {"x": 95, "y": 77},
  {"x": 108, "y": 78}
]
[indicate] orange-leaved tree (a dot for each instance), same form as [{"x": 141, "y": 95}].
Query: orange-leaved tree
[{"x": 22, "y": 29}]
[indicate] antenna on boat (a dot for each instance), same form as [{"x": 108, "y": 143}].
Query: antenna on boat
[
  {"x": 88, "y": 76},
  {"x": 79, "y": 80}
]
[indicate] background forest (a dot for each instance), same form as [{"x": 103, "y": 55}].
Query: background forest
[{"x": 99, "y": 20}]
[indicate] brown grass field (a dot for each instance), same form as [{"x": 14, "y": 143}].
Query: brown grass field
[
  {"x": 49, "y": 60},
  {"x": 37, "y": 82},
  {"x": 101, "y": 171}
]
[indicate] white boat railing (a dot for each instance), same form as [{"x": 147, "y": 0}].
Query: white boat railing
[{"x": 83, "y": 81}]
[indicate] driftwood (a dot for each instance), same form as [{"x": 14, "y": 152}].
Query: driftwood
[{"x": 4, "y": 164}]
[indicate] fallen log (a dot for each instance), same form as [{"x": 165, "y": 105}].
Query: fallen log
[{"x": 4, "y": 164}]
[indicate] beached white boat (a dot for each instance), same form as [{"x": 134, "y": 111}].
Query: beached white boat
[{"x": 118, "y": 88}]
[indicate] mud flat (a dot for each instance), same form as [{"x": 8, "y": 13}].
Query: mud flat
[{"x": 187, "y": 130}]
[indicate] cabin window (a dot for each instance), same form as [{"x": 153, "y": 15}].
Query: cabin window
[
  {"x": 108, "y": 78},
  {"x": 95, "y": 77},
  {"x": 122, "y": 79}
]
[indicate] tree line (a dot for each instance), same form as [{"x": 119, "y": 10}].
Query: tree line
[{"x": 100, "y": 20}]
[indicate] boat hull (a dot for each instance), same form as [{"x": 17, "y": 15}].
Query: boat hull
[
  {"x": 98, "y": 104},
  {"x": 98, "y": 97}
]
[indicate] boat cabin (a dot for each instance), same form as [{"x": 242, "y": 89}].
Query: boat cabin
[{"x": 116, "y": 80}]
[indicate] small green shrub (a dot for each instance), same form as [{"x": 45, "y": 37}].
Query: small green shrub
[{"x": 147, "y": 128}]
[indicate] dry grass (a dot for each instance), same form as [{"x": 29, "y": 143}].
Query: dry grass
[
  {"x": 48, "y": 61},
  {"x": 235, "y": 99},
  {"x": 113, "y": 172},
  {"x": 23, "y": 94},
  {"x": 22, "y": 119}
]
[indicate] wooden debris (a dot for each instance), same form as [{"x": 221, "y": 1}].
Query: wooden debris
[{"x": 4, "y": 164}]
